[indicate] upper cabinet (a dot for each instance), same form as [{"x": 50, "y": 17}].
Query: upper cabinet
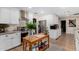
[
  {"x": 9, "y": 15},
  {"x": 4, "y": 15},
  {"x": 15, "y": 16}
]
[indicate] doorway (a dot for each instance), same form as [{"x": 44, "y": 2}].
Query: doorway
[
  {"x": 63, "y": 26},
  {"x": 42, "y": 26}
]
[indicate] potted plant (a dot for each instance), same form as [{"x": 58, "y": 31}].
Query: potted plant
[{"x": 31, "y": 27}]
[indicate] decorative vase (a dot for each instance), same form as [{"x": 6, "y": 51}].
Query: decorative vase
[{"x": 30, "y": 32}]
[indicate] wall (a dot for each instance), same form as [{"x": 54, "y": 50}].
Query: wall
[
  {"x": 51, "y": 20},
  {"x": 69, "y": 30},
  {"x": 77, "y": 34}
]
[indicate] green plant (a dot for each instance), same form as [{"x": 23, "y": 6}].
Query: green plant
[{"x": 30, "y": 25}]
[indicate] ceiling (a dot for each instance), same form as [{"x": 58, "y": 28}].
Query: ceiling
[{"x": 59, "y": 11}]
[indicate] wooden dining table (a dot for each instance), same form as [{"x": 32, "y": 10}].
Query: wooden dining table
[{"x": 31, "y": 40}]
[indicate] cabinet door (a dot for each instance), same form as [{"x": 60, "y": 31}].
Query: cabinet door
[
  {"x": 16, "y": 39},
  {"x": 8, "y": 40},
  {"x": 5, "y": 42},
  {"x": 2, "y": 43},
  {"x": 4, "y": 15},
  {"x": 15, "y": 14}
]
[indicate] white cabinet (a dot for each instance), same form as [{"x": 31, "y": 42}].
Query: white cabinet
[
  {"x": 4, "y": 15},
  {"x": 14, "y": 16},
  {"x": 53, "y": 34},
  {"x": 2, "y": 42},
  {"x": 9, "y": 41},
  {"x": 9, "y": 16},
  {"x": 16, "y": 39},
  {"x": 5, "y": 42}
]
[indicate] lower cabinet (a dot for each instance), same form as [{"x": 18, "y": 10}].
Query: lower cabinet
[
  {"x": 9, "y": 41},
  {"x": 53, "y": 34},
  {"x": 3, "y": 43},
  {"x": 16, "y": 39}
]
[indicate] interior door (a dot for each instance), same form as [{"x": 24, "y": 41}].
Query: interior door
[{"x": 63, "y": 26}]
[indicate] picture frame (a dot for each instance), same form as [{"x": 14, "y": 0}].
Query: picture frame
[{"x": 72, "y": 23}]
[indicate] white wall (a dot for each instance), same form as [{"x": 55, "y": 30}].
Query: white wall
[
  {"x": 51, "y": 20},
  {"x": 69, "y": 30}
]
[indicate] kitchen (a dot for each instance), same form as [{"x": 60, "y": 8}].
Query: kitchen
[
  {"x": 10, "y": 27},
  {"x": 13, "y": 26}
]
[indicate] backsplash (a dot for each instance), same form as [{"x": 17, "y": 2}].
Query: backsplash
[
  {"x": 12, "y": 28},
  {"x": 3, "y": 27}
]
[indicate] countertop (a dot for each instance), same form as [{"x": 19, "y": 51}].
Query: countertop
[
  {"x": 11, "y": 32},
  {"x": 24, "y": 31}
]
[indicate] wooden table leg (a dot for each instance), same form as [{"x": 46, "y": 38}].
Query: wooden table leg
[
  {"x": 24, "y": 45},
  {"x": 30, "y": 47},
  {"x": 48, "y": 41}
]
